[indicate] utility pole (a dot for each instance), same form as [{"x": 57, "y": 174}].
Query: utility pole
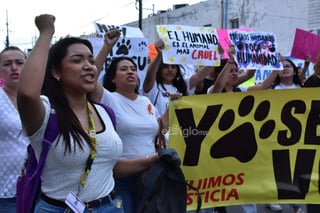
[
  {"x": 222, "y": 14},
  {"x": 140, "y": 14},
  {"x": 7, "y": 38}
]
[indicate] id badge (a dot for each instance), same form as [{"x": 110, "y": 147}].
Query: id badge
[{"x": 74, "y": 203}]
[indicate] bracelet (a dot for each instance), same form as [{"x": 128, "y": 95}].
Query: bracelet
[{"x": 230, "y": 62}]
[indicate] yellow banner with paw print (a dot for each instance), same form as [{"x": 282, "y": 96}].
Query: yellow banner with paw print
[{"x": 249, "y": 147}]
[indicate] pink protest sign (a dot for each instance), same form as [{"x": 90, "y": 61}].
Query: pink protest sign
[
  {"x": 225, "y": 41},
  {"x": 305, "y": 43}
]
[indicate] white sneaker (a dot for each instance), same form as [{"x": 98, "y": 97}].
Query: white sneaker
[{"x": 275, "y": 207}]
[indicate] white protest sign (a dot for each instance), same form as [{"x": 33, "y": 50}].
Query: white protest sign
[
  {"x": 133, "y": 32},
  {"x": 131, "y": 44},
  {"x": 189, "y": 45},
  {"x": 255, "y": 50}
]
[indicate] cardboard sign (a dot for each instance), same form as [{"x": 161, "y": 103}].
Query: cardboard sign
[
  {"x": 189, "y": 45},
  {"x": 305, "y": 43}
]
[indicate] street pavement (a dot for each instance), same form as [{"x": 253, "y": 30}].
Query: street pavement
[{"x": 261, "y": 208}]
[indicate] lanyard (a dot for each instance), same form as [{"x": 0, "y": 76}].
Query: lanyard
[{"x": 93, "y": 138}]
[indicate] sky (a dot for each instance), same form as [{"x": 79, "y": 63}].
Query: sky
[{"x": 72, "y": 17}]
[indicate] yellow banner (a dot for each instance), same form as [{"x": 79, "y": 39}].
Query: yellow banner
[{"x": 249, "y": 147}]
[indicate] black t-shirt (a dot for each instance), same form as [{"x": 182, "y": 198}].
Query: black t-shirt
[
  {"x": 313, "y": 81},
  {"x": 206, "y": 84},
  {"x": 235, "y": 89}
]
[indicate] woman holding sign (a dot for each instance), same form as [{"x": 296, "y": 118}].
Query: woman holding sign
[
  {"x": 288, "y": 78},
  {"x": 227, "y": 81},
  {"x": 120, "y": 91},
  {"x": 163, "y": 80}
]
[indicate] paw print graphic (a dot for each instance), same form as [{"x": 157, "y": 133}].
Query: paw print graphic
[
  {"x": 142, "y": 45},
  {"x": 241, "y": 142},
  {"x": 123, "y": 47}
]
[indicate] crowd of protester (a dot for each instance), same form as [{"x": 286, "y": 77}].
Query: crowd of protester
[{"x": 63, "y": 77}]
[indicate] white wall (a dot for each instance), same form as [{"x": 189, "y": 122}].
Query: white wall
[{"x": 281, "y": 17}]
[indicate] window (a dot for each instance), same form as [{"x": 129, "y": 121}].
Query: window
[{"x": 234, "y": 23}]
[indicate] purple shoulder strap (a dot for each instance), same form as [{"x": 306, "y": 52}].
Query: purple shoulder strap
[
  {"x": 52, "y": 131},
  {"x": 110, "y": 113},
  {"x": 28, "y": 185}
]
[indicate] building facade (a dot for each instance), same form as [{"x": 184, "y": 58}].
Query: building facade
[{"x": 279, "y": 17}]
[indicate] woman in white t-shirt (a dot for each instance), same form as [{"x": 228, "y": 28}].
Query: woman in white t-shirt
[
  {"x": 163, "y": 80},
  {"x": 136, "y": 116},
  {"x": 86, "y": 156},
  {"x": 288, "y": 78},
  {"x": 227, "y": 81}
]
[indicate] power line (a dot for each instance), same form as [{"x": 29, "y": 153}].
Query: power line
[{"x": 106, "y": 15}]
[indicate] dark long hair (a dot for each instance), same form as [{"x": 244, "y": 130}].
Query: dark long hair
[
  {"x": 178, "y": 81},
  {"x": 316, "y": 68},
  {"x": 296, "y": 78},
  {"x": 111, "y": 74},
  {"x": 67, "y": 120}
]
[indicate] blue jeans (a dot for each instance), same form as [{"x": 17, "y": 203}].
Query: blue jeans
[
  {"x": 110, "y": 207},
  {"x": 8, "y": 205},
  {"x": 127, "y": 189}
]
